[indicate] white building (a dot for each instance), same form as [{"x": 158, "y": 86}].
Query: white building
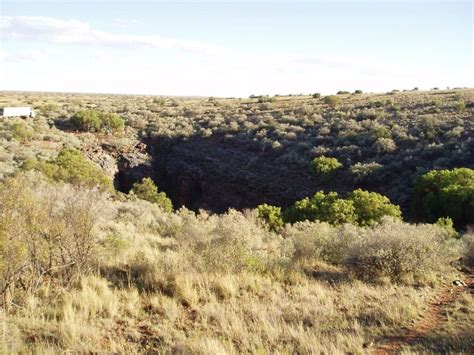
[{"x": 17, "y": 112}]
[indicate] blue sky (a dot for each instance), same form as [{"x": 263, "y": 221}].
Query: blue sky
[{"x": 234, "y": 49}]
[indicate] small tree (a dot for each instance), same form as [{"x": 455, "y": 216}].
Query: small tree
[
  {"x": 370, "y": 207},
  {"x": 147, "y": 190},
  {"x": 446, "y": 193},
  {"x": 325, "y": 208}
]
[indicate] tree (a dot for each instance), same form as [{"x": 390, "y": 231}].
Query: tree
[
  {"x": 147, "y": 190},
  {"x": 92, "y": 121},
  {"x": 446, "y": 193},
  {"x": 370, "y": 207},
  {"x": 322, "y": 207},
  {"x": 271, "y": 215}
]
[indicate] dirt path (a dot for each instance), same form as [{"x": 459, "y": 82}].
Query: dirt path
[{"x": 434, "y": 316}]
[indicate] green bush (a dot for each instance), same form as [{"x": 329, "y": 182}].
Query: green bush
[
  {"x": 92, "y": 121},
  {"x": 322, "y": 207},
  {"x": 324, "y": 166},
  {"x": 332, "y": 100},
  {"x": 71, "y": 166},
  {"x": 147, "y": 190},
  {"x": 271, "y": 215},
  {"x": 370, "y": 207},
  {"x": 460, "y": 106},
  {"x": 21, "y": 132},
  {"x": 446, "y": 193}
]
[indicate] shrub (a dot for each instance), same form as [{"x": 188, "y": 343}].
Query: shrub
[
  {"x": 71, "y": 166},
  {"x": 21, "y": 132},
  {"x": 468, "y": 241},
  {"x": 46, "y": 232},
  {"x": 332, "y": 100},
  {"x": 358, "y": 92},
  {"x": 316, "y": 95},
  {"x": 460, "y": 106},
  {"x": 401, "y": 252},
  {"x": 87, "y": 120},
  {"x": 321, "y": 207},
  {"x": 325, "y": 166},
  {"x": 147, "y": 190},
  {"x": 370, "y": 207},
  {"x": 343, "y": 92},
  {"x": 271, "y": 215},
  {"x": 446, "y": 193},
  {"x": 448, "y": 224},
  {"x": 92, "y": 121}
]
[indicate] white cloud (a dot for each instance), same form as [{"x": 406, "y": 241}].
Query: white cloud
[{"x": 58, "y": 31}]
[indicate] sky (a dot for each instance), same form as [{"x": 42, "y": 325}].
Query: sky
[{"x": 234, "y": 48}]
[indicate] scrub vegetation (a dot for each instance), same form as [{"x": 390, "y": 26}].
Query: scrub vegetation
[{"x": 345, "y": 216}]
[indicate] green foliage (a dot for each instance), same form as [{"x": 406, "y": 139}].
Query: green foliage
[
  {"x": 332, "y": 100},
  {"x": 21, "y": 132},
  {"x": 324, "y": 166},
  {"x": 446, "y": 193},
  {"x": 460, "y": 106},
  {"x": 361, "y": 207},
  {"x": 271, "y": 215},
  {"x": 147, "y": 190},
  {"x": 316, "y": 95},
  {"x": 322, "y": 207},
  {"x": 358, "y": 92},
  {"x": 71, "y": 166},
  {"x": 370, "y": 207},
  {"x": 343, "y": 92},
  {"x": 93, "y": 121},
  {"x": 448, "y": 224}
]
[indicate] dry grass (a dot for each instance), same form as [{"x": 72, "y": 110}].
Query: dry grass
[{"x": 224, "y": 284}]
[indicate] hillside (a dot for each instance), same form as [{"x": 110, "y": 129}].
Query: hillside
[
  {"x": 219, "y": 153},
  {"x": 93, "y": 258}
]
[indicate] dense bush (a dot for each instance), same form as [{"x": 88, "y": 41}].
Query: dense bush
[
  {"x": 361, "y": 207},
  {"x": 332, "y": 100},
  {"x": 271, "y": 215},
  {"x": 148, "y": 191},
  {"x": 446, "y": 193},
  {"x": 322, "y": 207},
  {"x": 71, "y": 166},
  {"x": 93, "y": 121},
  {"x": 324, "y": 166},
  {"x": 370, "y": 207},
  {"x": 21, "y": 132}
]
